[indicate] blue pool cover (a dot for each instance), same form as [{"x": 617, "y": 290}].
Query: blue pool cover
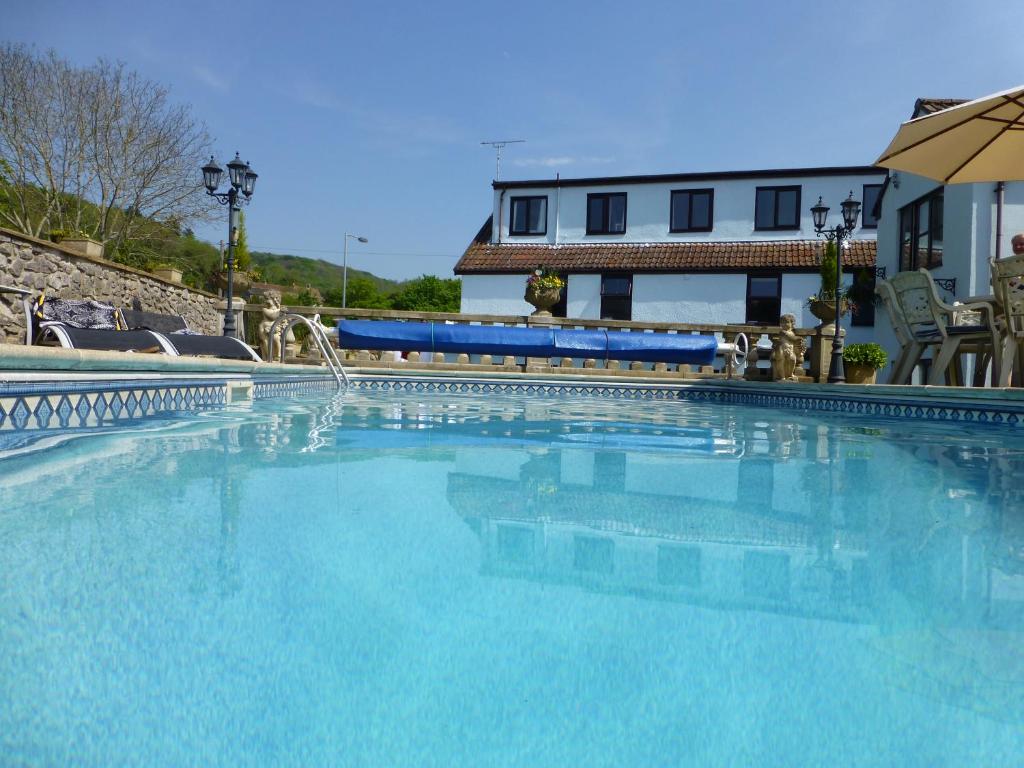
[{"x": 533, "y": 342}]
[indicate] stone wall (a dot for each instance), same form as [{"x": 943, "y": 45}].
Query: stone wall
[{"x": 41, "y": 266}]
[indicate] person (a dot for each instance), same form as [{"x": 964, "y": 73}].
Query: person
[
  {"x": 788, "y": 351},
  {"x": 1018, "y": 244}
]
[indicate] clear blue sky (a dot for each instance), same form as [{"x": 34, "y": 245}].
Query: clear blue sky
[{"x": 368, "y": 117}]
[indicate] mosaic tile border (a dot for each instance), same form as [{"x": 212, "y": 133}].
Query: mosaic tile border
[
  {"x": 103, "y": 406},
  {"x": 298, "y": 385},
  {"x": 932, "y": 409},
  {"x": 90, "y": 404},
  {"x": 38, "y": 406}
]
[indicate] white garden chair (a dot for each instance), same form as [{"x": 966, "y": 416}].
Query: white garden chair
[
  {"x": 955, "y": 329},
  {"x": 1008, "y": 285}
]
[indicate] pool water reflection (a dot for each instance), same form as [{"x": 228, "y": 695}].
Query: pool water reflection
[{"x": 417, "y": 580}]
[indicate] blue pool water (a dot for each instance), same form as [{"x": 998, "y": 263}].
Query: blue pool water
[{"x": 420, "y": 580}]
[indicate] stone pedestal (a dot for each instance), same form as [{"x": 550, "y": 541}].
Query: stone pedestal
[
  {"x": 820, "y": 353},
  {"x": 239, "y": 305},
  {"x": 539, "y": 320}
]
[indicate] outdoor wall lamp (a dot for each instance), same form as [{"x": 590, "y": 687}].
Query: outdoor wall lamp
[
  {"x": 841, "y": 232},
  {"x": 243, "y": 179}
]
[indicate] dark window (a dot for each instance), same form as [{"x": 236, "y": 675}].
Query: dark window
[
  {"x": 868, "y": 220},
  {"x": 606, "y": 213},
  {"x": 764, "y": 299},
  {"x": 777, "y": 208},
  {"x": 617, "y": 296},
  {"x": 692, "y": 210},
  {"x": 529, "y": 216},
  {"x": 921, "y": 224},
  {"x": 863, "y": 297}
]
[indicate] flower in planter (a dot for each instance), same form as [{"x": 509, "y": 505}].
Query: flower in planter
[{"x": 544, "y": 278}]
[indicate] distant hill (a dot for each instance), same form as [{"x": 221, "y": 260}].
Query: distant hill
[{"x": 285, "y": 269}]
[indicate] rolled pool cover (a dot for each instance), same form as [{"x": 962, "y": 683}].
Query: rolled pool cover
[{"x": 526, "y": 342}]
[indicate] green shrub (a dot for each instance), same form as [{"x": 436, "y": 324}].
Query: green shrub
[{"x": 865, "y": 354}]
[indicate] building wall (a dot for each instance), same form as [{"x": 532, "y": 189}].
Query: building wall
[
  {"x": 694, "y": 298},
  {"x": 584, "y": 297},
  {"x": 41, "y": 266},
  {"x": 494, "y": 295},
  {"x": 647, "y": 210},
  {"x": 657, "y": 298},
  {"x": 969, "y": 224}
]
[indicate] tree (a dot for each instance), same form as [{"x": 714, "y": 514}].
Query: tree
[
  {"x": 242, "y": 258},
  {"x": 362, "y": 293},
  {"x": 429, "y": 294},
  {"x": 97, "y": 150}
]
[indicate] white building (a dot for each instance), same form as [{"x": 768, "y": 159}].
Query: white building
[
  {"x": 726, "y": 247},
  {"x": 950, "y": 230}
]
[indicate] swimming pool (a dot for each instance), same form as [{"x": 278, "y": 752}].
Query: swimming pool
[{"x": 413, "y": 578}]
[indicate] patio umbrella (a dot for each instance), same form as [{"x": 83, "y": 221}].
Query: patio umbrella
[{"x": 977, "y": 141}]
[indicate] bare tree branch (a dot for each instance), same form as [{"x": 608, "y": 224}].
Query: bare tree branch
[{"x": 96, "y": 149}]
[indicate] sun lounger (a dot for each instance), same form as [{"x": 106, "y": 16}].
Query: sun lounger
[
  {"x": 174, "y": 331},
  {"x": 84, "y": 324},
  {"x": 87, "y": 324}
]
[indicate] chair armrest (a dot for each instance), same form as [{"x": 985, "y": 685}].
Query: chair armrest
[
  {"x": 976, "y": 306},
  {"x": 983, "y": 308}
]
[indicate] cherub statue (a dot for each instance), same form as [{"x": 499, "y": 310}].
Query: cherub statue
[
  {"x": 787, "y": 351},
  {"x": 271, "y": 312}
]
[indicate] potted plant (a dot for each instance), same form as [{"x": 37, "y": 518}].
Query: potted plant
[
  {"x": 543, "y": 290},
  {"x": 823, "y": 303},
  {"x": 168, "y": 272},
  {"x": 79, "y": 241},
  {"x": 862, "y": 362}
]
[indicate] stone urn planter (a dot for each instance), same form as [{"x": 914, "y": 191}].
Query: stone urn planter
[
  {"x": 169, "y": 274},
  {"x": 543, "y": 299},
  {"x": 860, "y": 374},
  {"x": 83, "y": 245},
  {"x": 825, "y": 310},
  {"x": 242, "y": 281}
]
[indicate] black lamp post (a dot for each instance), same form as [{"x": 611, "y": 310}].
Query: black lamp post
[
  {"x": 243, "y": 179},
  {"x": 841, "y": 232}
]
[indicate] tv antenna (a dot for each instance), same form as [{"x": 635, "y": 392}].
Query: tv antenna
[{"x": 498, "y": 145}]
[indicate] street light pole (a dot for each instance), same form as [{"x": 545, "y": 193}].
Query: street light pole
[
  {"x": 841, "y": 232},
  {"x": 344, "y": 268},
  {"x": 243, "y": 179}
]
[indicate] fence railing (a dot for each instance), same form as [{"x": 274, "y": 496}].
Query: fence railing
[{"x": 762, "y": 338}]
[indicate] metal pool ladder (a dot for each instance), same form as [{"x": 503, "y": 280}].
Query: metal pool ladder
[{"x": 320, "y": 338}]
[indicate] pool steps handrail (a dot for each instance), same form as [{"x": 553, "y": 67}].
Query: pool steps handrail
[{"x": 317, "y": 332}]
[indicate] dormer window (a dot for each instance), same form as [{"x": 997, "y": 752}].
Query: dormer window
[
  {"x": 606, "y": 213},
  {"x": 777, "y": 208},
  {"x": 692, "y": 210},
  {"x": 529, "y": 216}
]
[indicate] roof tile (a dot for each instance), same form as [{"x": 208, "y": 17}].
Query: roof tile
[{"x": 482, "y": 256}]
